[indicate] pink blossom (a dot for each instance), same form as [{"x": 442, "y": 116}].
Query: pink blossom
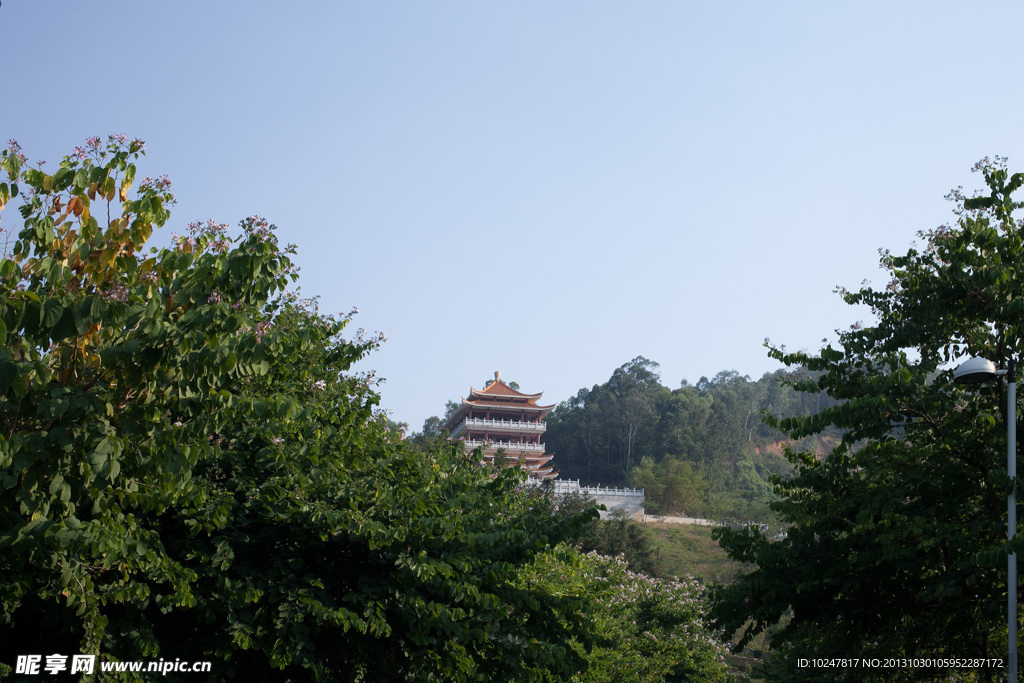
[{"x": 262, "y": 329}]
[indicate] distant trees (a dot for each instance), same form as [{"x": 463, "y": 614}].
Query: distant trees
[
  {"x": 701, "y": 449},
  {"x": 597, "y": 432},
  {"x": 511, "y": 385},
  {"x": 672, "y": 485},
  {"x": 633, "y": 394},
  {"x": 432, "y": 426}
]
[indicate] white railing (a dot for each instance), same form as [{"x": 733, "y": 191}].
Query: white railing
[
  {"x": 573, "y": 486},
  {"x": 507, "y": 445},
  {"x": 500, "y": 424},
  {"x": 505, "y": 424}
]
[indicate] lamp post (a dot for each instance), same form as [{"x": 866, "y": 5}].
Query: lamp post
[{"x": 975, "y": 371}]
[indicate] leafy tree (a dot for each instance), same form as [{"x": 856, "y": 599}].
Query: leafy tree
[
  {"x": 574, "y": 425},
  {"x": 608, "y": 425},
  {"x": 189, "y": 469},
  {"x": 577, "y": 434},
  {"x": 634, "y": 392},
  {"x": 432, "y": 426},
  {"x": 683, "y": 426},
  {"x": 651, "y": 630},
  {"x": 673, "y": 484},
  {"x": 427, "y": 439},
  {"x": 896, "y": 545},
  {"x": 512, "y": 385}
]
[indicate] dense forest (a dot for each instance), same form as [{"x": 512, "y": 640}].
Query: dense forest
[{"x": 701, "y": 449}]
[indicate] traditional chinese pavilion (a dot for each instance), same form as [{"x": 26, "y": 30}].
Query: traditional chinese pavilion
[{"x": 499, "y": 417}]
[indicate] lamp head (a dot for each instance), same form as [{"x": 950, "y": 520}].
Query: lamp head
[{"x": 975, "y": 371}]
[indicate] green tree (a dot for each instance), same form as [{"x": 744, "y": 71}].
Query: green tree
[
  {"x": 608, "y": 426},
  {"x": 635, "y": 394},
  {"x": 896, "y": 544},
  {"x": 432, "y": 426},
  {"x": 188, "y": 468},
  {"x": 683, "y": 426},
  {"x": 651, "y": 630},
  {"x": 672, "y": 484},
  {"x": 512, "y": 385}
]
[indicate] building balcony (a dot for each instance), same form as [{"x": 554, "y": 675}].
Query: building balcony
[
  {"x": 510, "y": 446},
  {"x": 500, "y": 425}
]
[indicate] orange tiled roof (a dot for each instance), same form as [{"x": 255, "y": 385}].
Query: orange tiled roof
[
  {"x": 508, "y": 405},
  {"x": 500, "y": 396},
  {"x": 499, "y": 388}
]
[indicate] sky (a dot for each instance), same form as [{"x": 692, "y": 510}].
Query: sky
[{"x": 548, "y": 189}]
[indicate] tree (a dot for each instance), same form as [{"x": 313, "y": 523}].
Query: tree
[
  {"x": 635, "y": 391},
  {"x": 512, "y": 385},
  {"x": 618, "y": 536},
  {"x": 671, "y": 484},
  {"x": 683, "y": 425},
  {"x": 896, "y": 540},
  {"x": 188, "y": 468},
  {"x": 574, "y": 424},
  {"x": 610, "y": 423},
  {"x": 651, "y": 630},
  {"x": 716, "y": 429},
  {"x": 432, "y": 426}
]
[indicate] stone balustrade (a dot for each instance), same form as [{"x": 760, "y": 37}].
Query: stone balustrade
[
  {"x": 510, "y": 446},
  {"x": 573, "y": 486},
  {"x": 483, "y": 423}
]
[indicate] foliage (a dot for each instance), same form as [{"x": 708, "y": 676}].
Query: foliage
[
  {"x": 700, "y": 450},
  {"x": 621, "y": 536},
  {"x": 896, "y": 541},
  {"x": 670, "y": 486},
  {"x": 511, "y": 385},
  {"x": 651, "y": 630},
  {"x": 617, "y": 536},
  {"x": 188, "y": 468}
]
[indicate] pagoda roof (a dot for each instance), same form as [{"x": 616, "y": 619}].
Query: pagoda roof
[
  {"x": 497, "y": 395},
  {"x": 499, "y": 388},
  {"x": 456, "y": 417},
  {"x": 506, "y": 405}
]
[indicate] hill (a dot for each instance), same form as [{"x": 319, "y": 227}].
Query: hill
[{"x": 704, "y": 450}]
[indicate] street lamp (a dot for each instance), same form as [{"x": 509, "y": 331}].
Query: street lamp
[{"x": 974, "y": 371}]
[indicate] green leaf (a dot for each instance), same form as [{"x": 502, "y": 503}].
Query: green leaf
[
  {"x": 63, "y": 177},
  {"x": 67, "y": 326},
  {"x": 50, "y": 313},
  {"x": 8, "y": 372},
  {"x": 56, "y": 483},
  {"x": 97, "y": 308}
]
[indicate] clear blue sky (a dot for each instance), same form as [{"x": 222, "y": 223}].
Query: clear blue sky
[{"x": 548, "y": 189}]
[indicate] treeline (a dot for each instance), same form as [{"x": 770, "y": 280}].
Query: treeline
[{"x": 700, "y": 449}]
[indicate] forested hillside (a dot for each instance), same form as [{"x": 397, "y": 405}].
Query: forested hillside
[{"x": 700, "y": 449}]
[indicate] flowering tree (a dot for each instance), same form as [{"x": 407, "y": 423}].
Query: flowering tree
[
  {"x": 651, "y": 630},
  {"x": 189, "y": 470}
]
